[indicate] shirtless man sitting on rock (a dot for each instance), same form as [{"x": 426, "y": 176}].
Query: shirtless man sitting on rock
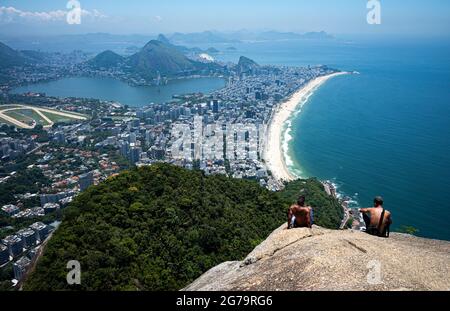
[
  {"x": 377, "y": 219},
  {"x": 299, "y": 215}
]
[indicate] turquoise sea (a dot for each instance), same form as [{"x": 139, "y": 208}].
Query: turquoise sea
[{"x": 383, "y": 132}]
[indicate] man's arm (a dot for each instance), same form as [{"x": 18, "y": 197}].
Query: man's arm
[
  {"x": 308, "y": 220},
  {"x": 389, "y": 219},
  {"x": 290, "y": 213},
  {"x": 311, "y": 217},
  {"x": 364, "y": 210}
]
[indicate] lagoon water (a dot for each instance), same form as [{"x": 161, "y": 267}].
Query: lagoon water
[
  {"x": 114, "y": 90},
  {"x": 383, "y": 132}
]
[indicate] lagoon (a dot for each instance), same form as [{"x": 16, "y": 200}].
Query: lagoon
[{"x": 114, "y": 90}]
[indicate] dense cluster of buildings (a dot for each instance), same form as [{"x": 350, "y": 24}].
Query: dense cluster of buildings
[
  {"x": 12, "y": 148},
  {"x": 220, "y": 133},
  {"x": 22, "y": 247}
]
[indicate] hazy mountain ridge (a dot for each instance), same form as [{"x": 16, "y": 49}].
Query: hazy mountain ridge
[
  {"x": 10, "y": 57},
  {"x": 156, "y": 58},
  {"x": 162, "y": 58},
  {"x": 240, "y": 36},
  {"x": 95, "y": 43}
]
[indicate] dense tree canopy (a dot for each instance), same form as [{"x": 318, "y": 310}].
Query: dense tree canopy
[{"x": 158, "y": 228}]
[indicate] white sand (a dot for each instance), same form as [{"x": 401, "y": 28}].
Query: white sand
[{"x": 273, "y": 153}]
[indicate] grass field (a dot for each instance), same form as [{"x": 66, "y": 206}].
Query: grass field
[
  {"x": 31, "y": 115},
  {"x": 57, "y": 118},
  {"x": 27, "y": 116},
  {"x": 16, "y": 114}
]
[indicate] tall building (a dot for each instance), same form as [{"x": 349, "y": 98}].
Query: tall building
[
  {"x": 20, "y": 267},
  {"x": 132, "y": 138},
  {"x": 124, "y": 148},
  {"x": 59, "y": 137},
  {"x": 28, "y": 237},
  {"x": 55, "y": 197},
  {"x": 10, "y": 210},
  {"x": 86, "y": 180},
  {"x": 215, "y": 106},
  {"x": 4, "y": 254},
  {"x": 41, "y": 230},
  {"x": 135, "y": 153},
  {"x": 50, "y": 208},
  {"x": 14, "y": 244},
  {"x": 148, "y": 137}
]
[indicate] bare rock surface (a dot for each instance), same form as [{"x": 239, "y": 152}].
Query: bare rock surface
[{"x": 322, "y": 259}]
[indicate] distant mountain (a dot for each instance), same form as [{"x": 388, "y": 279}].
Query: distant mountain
[
  {"x": 155, "y": 58},
  {"x": 106, "y": 59},
  {"x": 162, "y": 38},
  {"x": 201, "y": 37},
  {"x": 36, "y": 56},
  {"x": 185, "y": 50},
  {"x": 212, "y": 51},
  {"x": 246, "y": 65},
  {"x": 239, "y": 36},
  {"x": 275, "y": 35},
  {"x": 10, "y": 57},
  {"x": 317, "y": 35},
  {"x": 158, "y": 57},
  {"x": 92, "y": 43}
]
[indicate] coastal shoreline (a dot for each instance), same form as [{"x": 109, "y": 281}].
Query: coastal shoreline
[{"x": 274, "y": 155}]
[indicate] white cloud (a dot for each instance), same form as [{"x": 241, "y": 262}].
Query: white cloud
[
  {"x": 158, "y": 18},
  {"x": 11, "y": 14}
]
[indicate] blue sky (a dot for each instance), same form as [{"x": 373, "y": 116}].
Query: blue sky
[{"x": 423, "y": 17}]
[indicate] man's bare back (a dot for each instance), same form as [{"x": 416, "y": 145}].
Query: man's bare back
[
  {"x": 302, "y": 216},
  {"x": 373, "y": 215}
]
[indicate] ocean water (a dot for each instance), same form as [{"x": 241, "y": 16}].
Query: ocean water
[
  {"x": 383, "y": 132},
  {"x": 114, "y": 90}
]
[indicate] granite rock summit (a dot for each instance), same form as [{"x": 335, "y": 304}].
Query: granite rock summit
[{"x": 322, "y": 259}]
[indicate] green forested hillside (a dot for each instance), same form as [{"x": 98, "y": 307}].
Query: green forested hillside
[
  {"x": 157, "y": 57},
  {"x": 10, "y": 57},
  {"x": 158, "y": 228},
  {"x": 107, "y": 59}
]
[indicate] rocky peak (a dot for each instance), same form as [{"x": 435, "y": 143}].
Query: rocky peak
[{"x": 321, "y": 259}]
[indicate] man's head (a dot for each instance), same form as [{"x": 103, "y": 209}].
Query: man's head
[
  {"x": 301, "y": 200},
  {"x": 378, "y": 201}
]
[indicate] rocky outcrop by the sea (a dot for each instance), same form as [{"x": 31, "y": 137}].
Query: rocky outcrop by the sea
[{"x": 321, "y": 259}]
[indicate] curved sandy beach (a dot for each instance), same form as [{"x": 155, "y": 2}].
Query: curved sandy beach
[{"x": 273, "y": 151}]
